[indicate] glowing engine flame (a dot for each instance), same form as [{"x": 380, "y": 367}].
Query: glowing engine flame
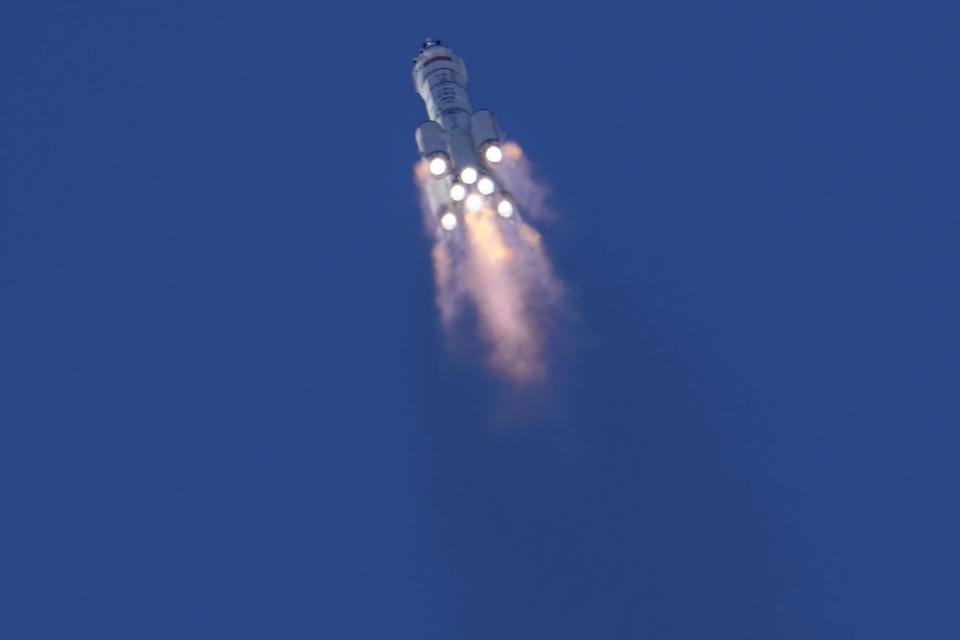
[
  {"x": 448, "y": 221},
  {"x": 438, "y": 166},
  {"x": 468, "y": 175},
  {"x": 497, "y": 267},
  {"x": 486, "y": 186},
  {"x": 473, "y": 202}
]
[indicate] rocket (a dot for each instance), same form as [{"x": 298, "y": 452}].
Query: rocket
[{"x": 460, "y": 148}]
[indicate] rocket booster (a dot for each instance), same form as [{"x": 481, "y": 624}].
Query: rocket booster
[{"x": 460, "y": 147}]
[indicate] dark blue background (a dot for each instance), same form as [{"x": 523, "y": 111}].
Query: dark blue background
[{"x": 227, "y": 411}]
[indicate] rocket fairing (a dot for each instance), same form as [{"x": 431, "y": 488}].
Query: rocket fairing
[{"x": 460, "y": 147}]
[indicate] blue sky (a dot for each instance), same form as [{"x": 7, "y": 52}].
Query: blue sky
[{"x": 226, "y": 405}]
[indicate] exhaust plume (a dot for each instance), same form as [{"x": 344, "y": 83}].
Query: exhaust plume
[{"x": 497, "y": 268}]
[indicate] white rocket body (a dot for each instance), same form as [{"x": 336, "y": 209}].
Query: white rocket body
[{"x": 456, "y": 138}]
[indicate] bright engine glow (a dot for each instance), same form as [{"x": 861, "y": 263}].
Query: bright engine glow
[
  {"x": 458, "y": 192},
  {"x": 468, "y": 175},
  {"x": 474, "y": 202},
  {"x": 485, "y": 186},
  {"x": 505, "y": 208},
  {"x": 438, "y": 166},
  {"x": 448, "y": 221},
  {"x": 493, "y": 153}
]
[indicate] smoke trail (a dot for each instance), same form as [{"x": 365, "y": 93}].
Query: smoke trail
[
  {"x": 498, "y": 268},
  {"x": 517, "y": 173}
]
